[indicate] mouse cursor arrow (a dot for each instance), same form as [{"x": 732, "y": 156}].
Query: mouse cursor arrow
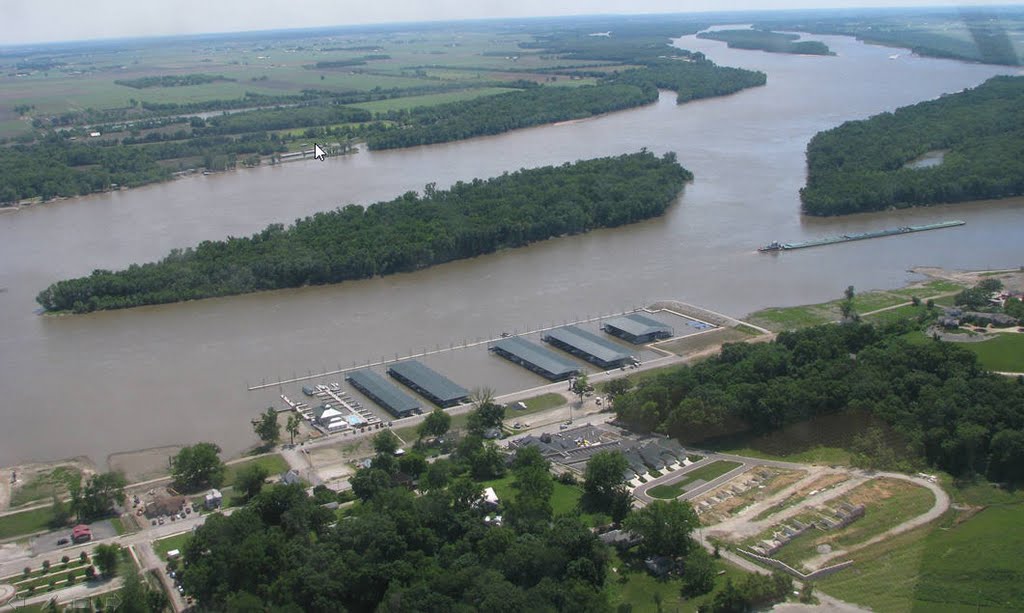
[{"x": 318, "y": 153}]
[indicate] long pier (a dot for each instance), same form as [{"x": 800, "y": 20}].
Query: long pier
[{"x": 425, "y": 353}]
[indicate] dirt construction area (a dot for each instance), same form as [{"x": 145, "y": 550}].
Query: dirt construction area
[{"x": 813, "y": 518}]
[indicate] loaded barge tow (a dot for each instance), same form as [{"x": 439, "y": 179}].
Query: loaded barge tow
[{"x": 831, "y": 240}]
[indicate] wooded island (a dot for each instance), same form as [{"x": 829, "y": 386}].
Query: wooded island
[{"x": 408, "y": 233}]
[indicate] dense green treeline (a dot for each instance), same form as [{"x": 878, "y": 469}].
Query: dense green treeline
[
  {"x": 58, "y": 167},
  {"x": 860, "y": 166},
  {"x": 692, "y": 79},
  {"x": 396, "y": 551},
  {"x": 934, "y": 396},
  {"x": 504, "y": 112},
  {"x": 280, "y": 119},
  {"x": 172, "y": 80},
  {"x": 765, "y": 40},
  {"x": 405, "y": 234}
]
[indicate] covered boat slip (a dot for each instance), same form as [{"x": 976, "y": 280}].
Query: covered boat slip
[
  {"x": 637, "y": 329},
  {"x": 589, "y": 346},
  {"x": 428, "y": 383},
  {"x": 544, "y": 362},
  {"x": 384, "y": 393}
]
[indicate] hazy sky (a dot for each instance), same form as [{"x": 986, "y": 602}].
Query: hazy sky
[{"x": 24, "y": 21}]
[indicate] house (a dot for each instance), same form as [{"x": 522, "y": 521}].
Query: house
[
  {"x": 165, "y": 505},
  {"x": 290, "y": 477},
  {"x": 492, "y": 433},
  {"x": 622, "y": 539},
  {"x": 213, "y": 499},
  {"x": 658, "y": 565},
  {"x": 994, "y": 319},
  {"x": 81, "y": 534},
  {"x": 490, "y": 498}
]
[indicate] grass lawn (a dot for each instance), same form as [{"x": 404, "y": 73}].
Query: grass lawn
[
  {"x": 700, "y": 342},
  {"x": 564, "y": 499},
  {"x": 274, "y": 464},
  {"x": 26, "y": 522},
  {"x": 538, "y": 403},
  {"x": 162, "y": 546},
  {"x": 707, "y": 473},
  {"x": 787, "y": 318},
  {"x": 44, "y": 485},
  {"x": 631, "y": 583},
  {"x": 1003, "y": 352}
]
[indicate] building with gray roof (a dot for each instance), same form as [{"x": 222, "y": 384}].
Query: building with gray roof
[
  {"x": 636, "y": 328},
  {"x": 429, "y": 383},
  {"x": 384, "y": 393},
  {"x": 588, "y": 346},
  {"x": 544, "y": 362}
]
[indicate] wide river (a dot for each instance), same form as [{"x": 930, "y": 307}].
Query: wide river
[{"x": 115, "y": 381}]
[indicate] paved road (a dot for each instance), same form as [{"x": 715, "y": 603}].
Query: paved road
[{"x": 678, "y": 475}]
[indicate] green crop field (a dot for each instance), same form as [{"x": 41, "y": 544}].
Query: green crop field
[{"x": 706, "y": 473}]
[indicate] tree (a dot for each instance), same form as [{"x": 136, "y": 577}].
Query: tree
[
  {"x": 267, "y": 428},
  {"x": 293, "y": 427},
  {"x": 530, "y": 508},
  {"x": 580, "y": 386},
  {"x": 138, "y": 597},
  {"x": 665, "y": 527},
  {"x": 197, "y": 466},
  {"x": 436, "y": 423},
  {"x": 603, "y": 479},
  {"x": 385, "y": 443},
  {"x": 106, "y": 556},
  {"x": 61, "y": 513},
  {"x": 486, "y": 413},
  {"x": 618, "y": 387},
  {"x": 368, "y": 482},
  {"x": 249, "y": 480},
  {"x": 100, "y": 493},
  {"x": 698, "y": 573}
]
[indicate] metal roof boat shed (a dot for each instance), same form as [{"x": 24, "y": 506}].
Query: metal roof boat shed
[
  {"x": 383, "y": 392},
  {"x": 636, "y": 328},
  {"x": 544, "y": 362},
  {"x": 430, "y": 384},
  {"x": 590, "y": 347}
]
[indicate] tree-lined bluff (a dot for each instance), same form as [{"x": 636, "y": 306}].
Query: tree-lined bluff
[
  {"x": 408, "y": 233},
  {"x": 861, "y": 165},
  {"x": 940, "y": 405}
]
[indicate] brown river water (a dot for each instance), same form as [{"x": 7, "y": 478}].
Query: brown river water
[{"x": 114, "y": 381}]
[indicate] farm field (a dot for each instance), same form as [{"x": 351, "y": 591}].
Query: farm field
[{"x": 967, "y": 561}]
